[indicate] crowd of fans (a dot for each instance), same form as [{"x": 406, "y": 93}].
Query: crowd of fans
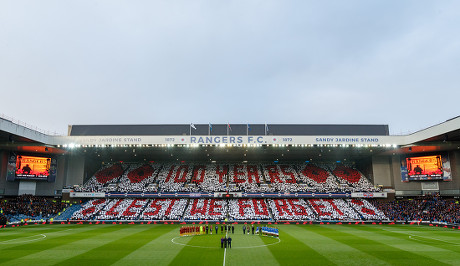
[
  {"x": 366, "y": 209},
  {"x": 281, "y": 178},
  {"x": 30, "y": 207},
  {"x": 206, "y": 209},
  {"x": 291, "y": 209},
  {"x": 105, "y": 180},
  {"x": 351, "y": 179},
  {"x": 248, "y": 209},
  {"x": 122, "y": 209},
  {"x": 89, "y": 209},
  {"x": 318, "y": 179},
  {"x": 333, "y": 209},
  {"x": 233, "y": 209},
  {"x": 3, "y": 219},
  {"x": 137, "y": 177},
  {"x": 164, "y": 209},
  {"x": 131, "y": 209},
  {"x": 427, "y": 208},
  {"x": 180, "y": 177}
]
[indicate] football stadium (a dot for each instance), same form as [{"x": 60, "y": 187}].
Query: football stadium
[{"x": 229, "y": 194}]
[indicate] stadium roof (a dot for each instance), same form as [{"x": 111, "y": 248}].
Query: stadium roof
[
  {"x": 226, "y": 129},
  {"x": 441, "y": 137}
]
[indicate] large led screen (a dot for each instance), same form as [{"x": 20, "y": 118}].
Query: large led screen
[
  {"x": 32, "y": 167},
  {"x": 423, "y": 168}
]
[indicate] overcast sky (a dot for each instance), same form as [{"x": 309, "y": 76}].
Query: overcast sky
[{"x": 154, "y": 62}]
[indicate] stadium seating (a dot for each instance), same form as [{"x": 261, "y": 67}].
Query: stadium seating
[
  {"x": 205, "y": 177},
  {"x": 136, "y": 178},
  {"x": 351, "y": 179},
  {"x": 281, "y": 178},
  {"x": 291, "y": 209},
  {"x": 366, "y": 209},
  {"x": 104, "y": 178},
  {"x": 89, "y": 209},
  {"x": 333, "y": 209},
  {"x": 248, "y": 209},
  {"x": 121, "y": 209},
  {"x": 206, "y": 209},
  {"x": 234, "y": 209},
  {"x": 28, "y": 207},
  {"x": 318, "y": 179},
  {"x": 68, "y": 212},
  {"x": 164, "y": 209},
  {"x": 427, "y": 208}
]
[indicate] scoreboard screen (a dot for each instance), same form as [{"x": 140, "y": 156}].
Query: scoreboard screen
[
  {"x": 32, "y": 167},
  {"x": 424, "y": 168}
]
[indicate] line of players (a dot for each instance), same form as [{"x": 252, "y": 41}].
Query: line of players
[{"x": 224, "y": 228}]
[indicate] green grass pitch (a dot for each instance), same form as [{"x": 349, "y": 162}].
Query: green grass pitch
[{"x": 161, "y": 245}]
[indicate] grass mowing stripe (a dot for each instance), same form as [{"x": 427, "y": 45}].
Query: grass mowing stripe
[
  {"x": 291, "y": 251},
  {"x": 18, "y": 251},
  {"x": 118, "y": 248},
  {"x": 428, "y": 237},
  {"x": 63, "y": 252},
  {"x": 374, "y": 247},
  {"x": 204, "y": 256},
  {"x": 25, "y": 233},
  {"x": 341, "y": 254},
  {"x": 159, "y": 251},
  {"x": 244, "y": 253},
  {"x": 22, "y": 239},
  {"x": 136, "y": 245},
  {"x": 436, "y": 249}
]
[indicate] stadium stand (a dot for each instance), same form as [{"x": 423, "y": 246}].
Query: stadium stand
[
  {"x": 427, "y": 208},
  {"x": 66, "y": 214},
  {"x": 291, "y": 209},
  {"x": 351, "y": 179},
  {"x": 89, "y": 209},
  {"x": 204, "y": 177},
  {"x": 28, "y": 207},
  {"x": 164, "y": 209},
  {"x": 206, "y": 209},
  {"x": 248, "y": 209},
  {"x": 105, "y": 180},
  {"x": 366, "y": 210},
  {"x": 317, "y": 178},
  {"x": 333, "y": 209},
  {"x": 136, "y": 178},
  {"x": 243, "y": 178}
]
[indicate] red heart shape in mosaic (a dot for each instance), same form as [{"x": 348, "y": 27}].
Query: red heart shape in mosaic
[{"x": 141, "y": 173}]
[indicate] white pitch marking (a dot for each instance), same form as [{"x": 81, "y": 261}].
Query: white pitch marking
[
  {"x": 412, "y": 237},
  {"x": 23, "y": 241},
  {"x": 225, "y": 251}
]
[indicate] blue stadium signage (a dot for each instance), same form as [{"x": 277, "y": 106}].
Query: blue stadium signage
[{"x": 328, "y": 140}]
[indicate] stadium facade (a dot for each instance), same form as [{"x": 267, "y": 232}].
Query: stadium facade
[{"x": 381, "y": 157}]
